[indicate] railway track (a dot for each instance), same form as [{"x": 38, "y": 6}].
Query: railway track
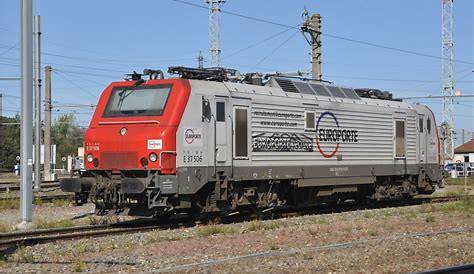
[
  {"x": 378, "y": 205},
  {"x": 12, "y": 186},
  {"x": 17, "y": 181},
  {"x": 43, "y": 198},
  {"x": 14, "y": 239},
  {"x": 458, "y": 269},
  {"x": 27, "y": 238}
]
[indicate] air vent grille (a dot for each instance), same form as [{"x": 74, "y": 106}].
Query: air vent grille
[
  {"x": 287, "y": 85},
  {"x": 336, "y": 92},
  {"x": 304, "y": 87},
  {"x": 350, "y": 93},
  {"x": 320, "y": 90}
]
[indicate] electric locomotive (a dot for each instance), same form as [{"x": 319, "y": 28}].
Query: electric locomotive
[{"x": 212, "y": 142}]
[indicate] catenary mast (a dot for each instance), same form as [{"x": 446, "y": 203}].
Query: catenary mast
[
  {"x": 215, "y": 31},
  {"x": 447, "y": 77}
]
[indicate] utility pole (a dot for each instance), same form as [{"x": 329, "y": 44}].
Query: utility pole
[
  {"x": 37, "y": 31},
  {"x": 1, "y": 104},
  {"x": 462, "y": 137},
  {"x": 26, "y": 194},
  {"x": 447, "y": 75},
  {"x": 47, "y": 123},
  {"x": 200, "y": 60},
  {"x": 313, "y": 27},
  {"x": 215, "y": 31}
]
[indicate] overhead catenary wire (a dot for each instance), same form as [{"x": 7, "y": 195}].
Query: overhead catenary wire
[
  {"x": 8, "y": 49},
  {"x": 426, "y": 84},
  {"x": 257, "y": 43},
  {"x": 100, "y": 60},
  {"x": 276, "y": 49},
  {"x": 86, "y": 73},
  {"x": 69, "y": 65},
  {"x": 437, "y": 97},
  {"x": 412, "y": 52},
  {"x": 390, "y": 80},
  {"x": 62, "y": 75}
]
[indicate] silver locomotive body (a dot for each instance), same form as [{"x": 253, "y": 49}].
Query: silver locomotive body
[
  {"x": 289, "y": 143},
  {"x": 296, "y": 142}
]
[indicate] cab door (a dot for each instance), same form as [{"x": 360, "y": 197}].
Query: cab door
[
  {"x": 241, "y": 132},
  {"x": 222, "y": 131},
  {"x": 422, "y": 139}
]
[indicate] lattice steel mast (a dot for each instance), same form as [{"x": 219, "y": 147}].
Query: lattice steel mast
[
  {"x": 215, "y": 31},
  {"x": 447, "y": 76}
]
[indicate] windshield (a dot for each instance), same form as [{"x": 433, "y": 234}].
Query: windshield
[{"x": 137, "y": 101}]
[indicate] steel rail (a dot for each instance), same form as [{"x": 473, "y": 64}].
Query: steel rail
[
  {"x": 44, "y": 198},
  {"x": 27, "y": 238},
  {"x": 12, "y": 182},
  {"x": 13, "y": 239},
  {"x": 5, "y": 187},
  {"x": 458, "y": 269},
  {"x": 346, "y": 207}
]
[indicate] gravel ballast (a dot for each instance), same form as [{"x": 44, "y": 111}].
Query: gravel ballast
[{"x": 392, "y": 240}]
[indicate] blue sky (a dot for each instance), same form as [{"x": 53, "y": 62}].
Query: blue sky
[{"x": 90, "y": 43}]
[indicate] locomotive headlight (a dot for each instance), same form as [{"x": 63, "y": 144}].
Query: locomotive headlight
[
  {"x": 153, "y": 157},
  {"x": 90, "y": 158},
  {"x": 123, "y": 131}
]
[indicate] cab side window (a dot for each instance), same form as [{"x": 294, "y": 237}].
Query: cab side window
[
  {"x": 420, "y": 125},
  {"x": 428, "y": 125},
  {"x": 400, "y": 143},
  {"x": 309, "y": 121},
  {"x": 220, "y": 111}
]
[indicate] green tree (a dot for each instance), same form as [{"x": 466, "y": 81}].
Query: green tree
[
  {"x": 9, "y": 141},
  {"x": 67, "y": 136},
  {"x": 65, "y": 133}
]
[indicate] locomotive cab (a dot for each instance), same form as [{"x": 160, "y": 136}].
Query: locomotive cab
[{"x": 130, "y": 144}]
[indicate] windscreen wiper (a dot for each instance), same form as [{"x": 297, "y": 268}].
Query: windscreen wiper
[{"x": 123, "y": 94}]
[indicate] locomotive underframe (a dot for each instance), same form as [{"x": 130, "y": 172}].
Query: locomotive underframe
[{"x": 207, "y": 190}]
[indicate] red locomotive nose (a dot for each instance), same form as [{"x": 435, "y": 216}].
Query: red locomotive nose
[{"x": 134, "y": 127}]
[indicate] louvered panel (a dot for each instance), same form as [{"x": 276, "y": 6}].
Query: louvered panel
[{"x": 287, "y": 85}]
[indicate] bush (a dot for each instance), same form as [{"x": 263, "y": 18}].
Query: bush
[
  {"x": 6, "y": 228},
  {"x": 79, "y": 266},
  {"x": 9, "y": 203},
  {"x": 430, "y": 219},
  {"x": 23, "y": 255},
  {"x": 44, "y": 224},
  {"x": 465, "y": 205},
  {"x": 372, "y": 233},
  {"x": 273, "y": 245},
  {"x": 258, "y": 225},
  {"x": 209, "y": 230}
]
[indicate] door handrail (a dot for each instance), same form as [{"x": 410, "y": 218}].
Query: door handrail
[{"x": 231, "y": 147}]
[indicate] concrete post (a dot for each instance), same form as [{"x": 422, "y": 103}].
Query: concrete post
[
  {"x": 37, "y": 63},
  {"x": 316, "y": 47},
  {"x": 47, "y": 124},
  {"x": 26, "y": 144}
]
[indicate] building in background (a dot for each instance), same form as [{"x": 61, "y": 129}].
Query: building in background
[{"x": 464, "y": 153}]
